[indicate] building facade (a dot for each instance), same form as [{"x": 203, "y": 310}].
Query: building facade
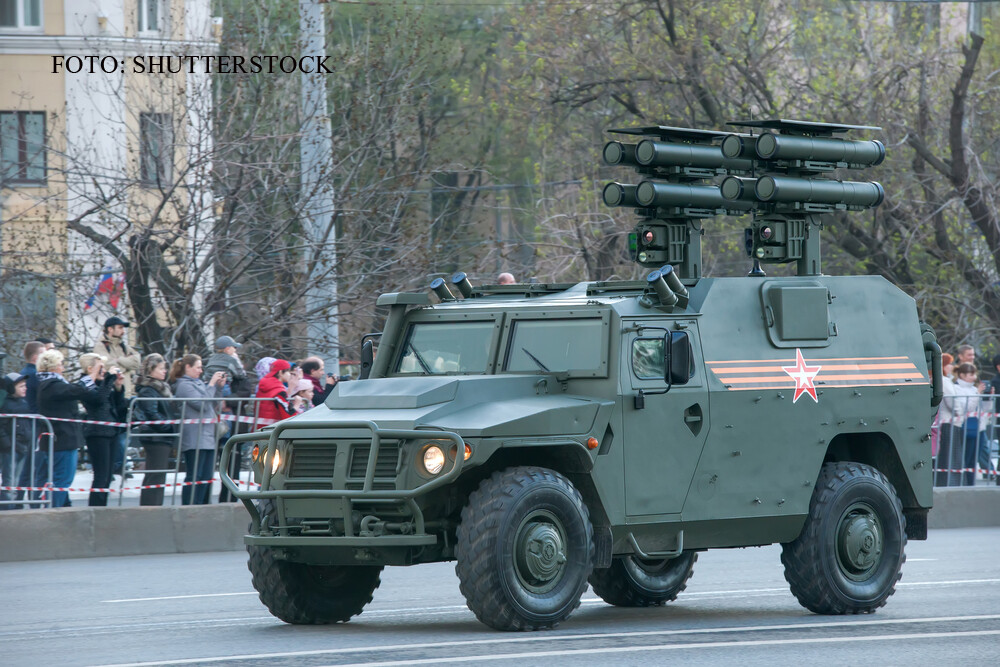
[{"x": 96, "y": 142}]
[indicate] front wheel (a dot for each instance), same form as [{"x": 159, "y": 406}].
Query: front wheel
[
  {"x": 304, "y": 594},
  {"x": 849, "y": 555},
  {"x": 525, "y": 549},
  {"x": 634, "y": 582}
]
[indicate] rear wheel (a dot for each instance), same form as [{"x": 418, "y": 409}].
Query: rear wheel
[
  {"x": 525, "y": 549},
  {"x": 850, "y": 553},
  {"x": 304, "y": 594},
  {"x": 634, "y": 582}
]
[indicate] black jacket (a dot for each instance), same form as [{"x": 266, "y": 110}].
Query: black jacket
[
  {"x": 111, "y": 408},
  {"x": 58, "y": 398},
  {"x": 152, "y": 410},
  {"x": 22, "y": 430}
]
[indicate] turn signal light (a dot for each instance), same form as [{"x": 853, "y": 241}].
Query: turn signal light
[{"x": 592, "y": 443}]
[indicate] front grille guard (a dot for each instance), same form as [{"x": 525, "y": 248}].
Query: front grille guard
[{"x": 366, "y": 493}]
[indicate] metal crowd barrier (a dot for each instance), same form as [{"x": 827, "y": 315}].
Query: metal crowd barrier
[
  {"x": 241, "y": 413},
  {"x": 964, "y": 440},
  {"x": 20, "y": 472}
]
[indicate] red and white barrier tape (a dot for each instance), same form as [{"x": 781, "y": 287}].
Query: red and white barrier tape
[
  {"x": 116, "y": 489},
  {"x": 260, "y": 421},
  {"x": 972, "y": 470}
]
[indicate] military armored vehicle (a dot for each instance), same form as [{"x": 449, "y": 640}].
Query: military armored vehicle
[{"x": 547, "y": 436}]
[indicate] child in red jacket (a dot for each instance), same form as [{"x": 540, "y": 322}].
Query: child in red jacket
[{"x": 273, "y": 386}]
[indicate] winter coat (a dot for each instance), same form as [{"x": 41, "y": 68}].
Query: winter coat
[
  {"x": 319, "y": 393},
  {"x": 58, "y": 398},
  {"x": 277, "y": 408},
  {"x": 964, "y": 402},
  {"x": 30, "y": 372},
  {"x": 197, "y": 436},
  {"x": 21, "y": 429},
  {"x": 153, "y": 410},
  {"x": 110, "y": 409},
  {"x": 121, "y": 355}
]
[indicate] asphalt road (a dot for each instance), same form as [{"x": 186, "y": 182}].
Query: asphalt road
[{"x": 200, "y": 609}]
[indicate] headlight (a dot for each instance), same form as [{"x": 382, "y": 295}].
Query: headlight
[
  {"x": 433, "y": 459},
  {"x": 258, "y": 456}
]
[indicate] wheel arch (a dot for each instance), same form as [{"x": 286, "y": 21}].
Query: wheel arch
[
  {"x": 879, "y": 451},
  {"x": 573, "y": 461}
]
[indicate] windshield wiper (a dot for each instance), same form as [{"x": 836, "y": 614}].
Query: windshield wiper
[
  {"x": 420, "y": 360},
  {"x": 535, "y": 359}
]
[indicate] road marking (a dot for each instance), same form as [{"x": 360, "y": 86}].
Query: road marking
[
  {"x": 590, "y": 636},
  {"x": 181, "y": 597},
  {"x": 744, "y": 591},
  {"x": 534, "y": 656}
]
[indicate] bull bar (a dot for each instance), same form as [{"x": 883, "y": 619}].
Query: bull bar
[{"x": 366, "y": 493}]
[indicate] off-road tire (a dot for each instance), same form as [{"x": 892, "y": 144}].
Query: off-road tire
[
  {"x": 632, "y": 582},
  {"x": 849, "y": 555},
  {"x": 303, "y": 594},
  {"x": 525, "y": 549}
]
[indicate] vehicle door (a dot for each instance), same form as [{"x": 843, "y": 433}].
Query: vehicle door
[{"x": 665, "y": 432}]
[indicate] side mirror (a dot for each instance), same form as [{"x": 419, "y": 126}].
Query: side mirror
[
  {"x": 367, "y": 359},
  {"x": 676, "y": 358}
]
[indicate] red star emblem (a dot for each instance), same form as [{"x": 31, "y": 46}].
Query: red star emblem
[{"x": 803, "y": 376}]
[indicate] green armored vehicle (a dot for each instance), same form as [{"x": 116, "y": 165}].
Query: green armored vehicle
[{"x": 549, "y": 436}]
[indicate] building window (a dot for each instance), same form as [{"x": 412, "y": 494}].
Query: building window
[
  {"x": 156, "y": 148},
  {"x": 21, "y": 14},
  {"x": 22, "y": 147},
  {"x": 149, "y": 15}
]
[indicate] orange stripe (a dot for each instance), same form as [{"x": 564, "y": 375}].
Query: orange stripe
[
  {"x": 834, "y": 386},
  {"x": 786, "y": 359},
  {"x": 822, "y": 377},
  {"x": 844, "y": 367}
]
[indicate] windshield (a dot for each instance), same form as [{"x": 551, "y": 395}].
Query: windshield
[
  {"x": 436, "y": 348},
  {"x": 555, "y": 345}
]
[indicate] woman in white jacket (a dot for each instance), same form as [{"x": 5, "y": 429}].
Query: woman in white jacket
[
  {"x": 968, "y": 404},
  {"x": 948, "y": 458}
]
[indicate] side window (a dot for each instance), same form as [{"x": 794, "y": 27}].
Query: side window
[{"x": 647, "y": 358}]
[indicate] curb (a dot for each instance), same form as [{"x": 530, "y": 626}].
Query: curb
[
  {"x": 86, "y": 532},
  {"x": 958, "y": 507}
]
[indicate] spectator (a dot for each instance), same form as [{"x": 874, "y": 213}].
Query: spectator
[
  {"x": 261, "y": 369},
  {"x": 313, "y": 370},
  {"x": 15, "y": 437},
  {"x": 304, "y": 393},
  {"x": 198, "y": 440},
  {"x": 113, "y": 346},
  {"x": 506, "y": 279},
  {"x": 967, "y": 400},
  {"x": 37, "y": 474},
  {"x": 107, "y": 384},
  {"x": 47, "y": 342},
  {"x": 273, "y": 386},
  {"x": 58, "y": 398},
  {"x": 296, "y": 375},
  {"x": 966, "y": 355},
  {"x": 226, "y": 359},
  {"x": 949, "y": 423},
  {"x": 156, "y": 440}
]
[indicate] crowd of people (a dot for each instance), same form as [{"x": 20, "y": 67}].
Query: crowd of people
[
  {"x": 88, "y": 414},
  {"x": 965, "y": 427}
]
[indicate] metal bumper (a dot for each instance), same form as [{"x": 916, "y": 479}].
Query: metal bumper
[{"x": 367, "y": 494}]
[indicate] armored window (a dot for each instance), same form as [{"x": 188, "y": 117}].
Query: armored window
[
  {"x": 21, "y": 14},
  {"x": 556, "y": 345},
  {"x": 156, "y": 148},
  {"x": 647, "y": 358},
  {"x": 22, "y": 147},
  {"x": 438, "y": 348}
]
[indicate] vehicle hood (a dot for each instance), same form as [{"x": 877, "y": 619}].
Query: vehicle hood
[{"x": 472, "y": 406}]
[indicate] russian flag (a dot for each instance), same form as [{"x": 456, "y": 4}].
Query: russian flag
[{"x": 105, "y": 285}]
